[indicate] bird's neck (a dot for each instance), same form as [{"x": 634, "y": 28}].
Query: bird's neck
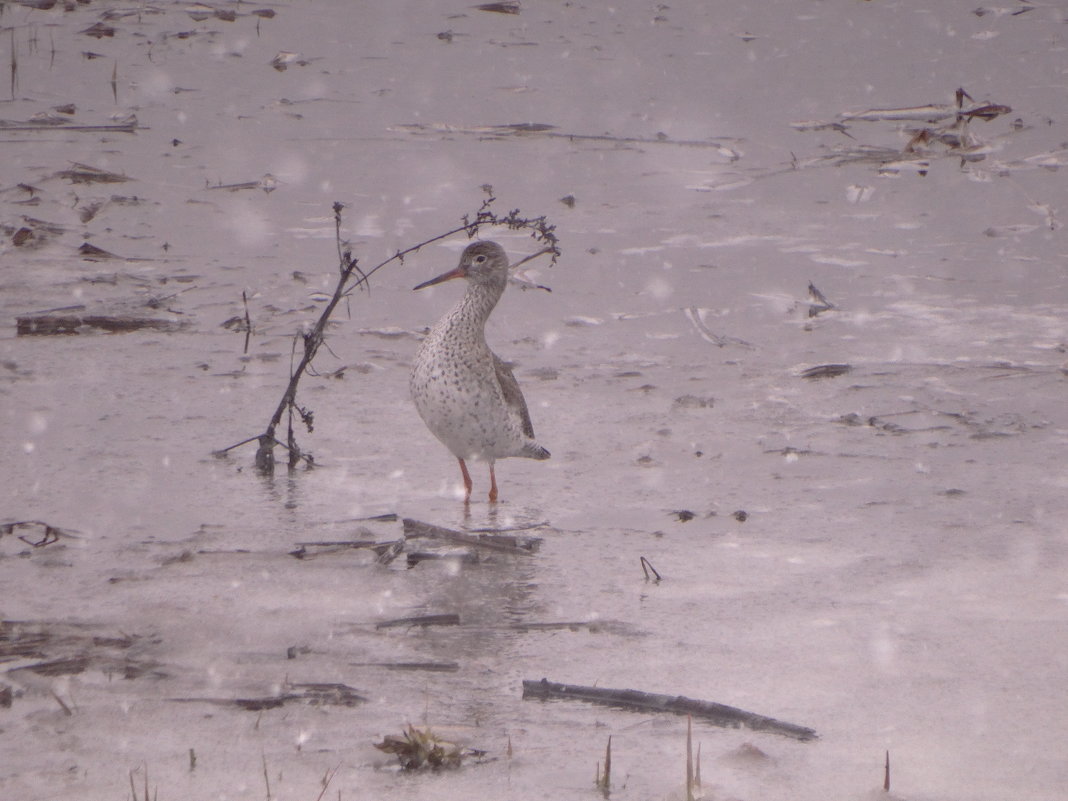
[{"x": 478, "y": 302}]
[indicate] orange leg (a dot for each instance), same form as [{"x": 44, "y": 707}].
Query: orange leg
[
  {"x": 467, "y": 480},
  {"x": 493, "y": 485}
]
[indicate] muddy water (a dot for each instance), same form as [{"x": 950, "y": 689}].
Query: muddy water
[{"x": 897, "y": 582}]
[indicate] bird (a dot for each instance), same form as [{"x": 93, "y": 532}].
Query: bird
[{"x": 466, "y": 395}]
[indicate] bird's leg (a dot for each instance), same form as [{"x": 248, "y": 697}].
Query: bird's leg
[
  {"x": 493, "y": 485},
  {"x": 467, "y": 480}
]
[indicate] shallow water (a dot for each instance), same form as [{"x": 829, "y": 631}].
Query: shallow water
[{"x": 898, "y": 582}]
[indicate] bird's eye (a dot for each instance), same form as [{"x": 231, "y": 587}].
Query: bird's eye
[{"x": 480, "y": 259}]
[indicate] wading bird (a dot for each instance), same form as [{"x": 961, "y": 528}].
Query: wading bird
[{"x": 465, "y": 394}]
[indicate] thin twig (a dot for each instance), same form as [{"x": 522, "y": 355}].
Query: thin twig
[
  {"x": 14, "y": 67},
  {"x": 248, "y": 321},
  {"x": 532, "y": 256},
  {"x": 689, "y": 758},
  {"x": 246, "y": 441},
  {"x": 647, "y": 568},
  {"x": 66, "y": 709},
  {"x": 266, "y": 778},
  {"x": 327, "y": 778},
  {"x": 540, "y": 230}
]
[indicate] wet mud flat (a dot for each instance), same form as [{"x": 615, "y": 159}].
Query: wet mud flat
[{"x": 801, "y": 372}]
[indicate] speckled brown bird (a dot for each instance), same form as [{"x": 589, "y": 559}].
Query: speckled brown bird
[{"x": 465, "y": 394}]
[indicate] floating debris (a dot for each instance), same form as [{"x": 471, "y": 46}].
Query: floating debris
[
  {"x": 420, "y": 749},
  {"x": 893, "y": 168},
  {"x": 268, "y": 183},
  {"x": 693, "y": 314},
  {"x": 1009, "y": 230},
  {"x": 982, "y": 12},
  {"x": 928, "y": 113},
  {"x": 819, "y": 303},
  {"x": 53, "y": 323},
  {"x": 499, "y": 8},
  {"x": 817, "y": 125},
  {"x": 315, "y": 694},
  {"x": 285, "y": 59},
  {"x": 99, "y": 30},
  {"x": 84, "y": 174},
  {"x": 947, "y": 128},
  {"x": 544, "y": 129},
  {"x": 200, "y": 12},
  {"x": 33, "y": 232},
  {"x": 68, "y": 649},
  {"x": 932, "y": 112},
  {"x": 307, "y": 550},
  {"x": 826, "y": 371},
  {"x": 460, "y": 556},
  {"x": 693, "y": 402},
  {"x": 35, "y": 533},
  {"x": 520, "y": 546},
  {"x": 434, "y": 667},
  {"x": 70, "y": 666},
  {"x": 93, "y": 253}
]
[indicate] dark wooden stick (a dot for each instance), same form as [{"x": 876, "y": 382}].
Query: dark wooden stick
[
  {"x": 718, "y": 714},
  {"x": 647, "y": 567}
]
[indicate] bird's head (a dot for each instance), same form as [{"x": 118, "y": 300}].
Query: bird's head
[{"x": 481, "y": 262}]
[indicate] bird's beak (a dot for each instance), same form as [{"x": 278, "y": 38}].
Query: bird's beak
[{"x": 458, "y": 272}]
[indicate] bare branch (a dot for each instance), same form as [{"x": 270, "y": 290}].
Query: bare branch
[{"x": 350, "y": 279}]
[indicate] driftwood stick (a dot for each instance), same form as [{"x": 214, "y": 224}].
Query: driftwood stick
[
  {"x": 55, "y": 324},
  {"x": 718, "y": 714},
  {"x": 123, "y": 127},
  {"x": 417, "y": 528},
  {"x": 436, "y": 667},
  {"x": 447, "y": 619},
  {"x": 339, "y": 544}
]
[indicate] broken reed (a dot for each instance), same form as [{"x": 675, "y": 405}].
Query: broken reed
[
  {"x": 604, "y": 780},
  {"x": 14, "y": 66}
]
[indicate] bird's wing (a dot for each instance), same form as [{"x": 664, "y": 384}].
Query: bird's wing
[{"x": 513, "y": 396}]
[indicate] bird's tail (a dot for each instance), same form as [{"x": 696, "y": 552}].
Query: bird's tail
[{"x": 533, "y": 450}]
